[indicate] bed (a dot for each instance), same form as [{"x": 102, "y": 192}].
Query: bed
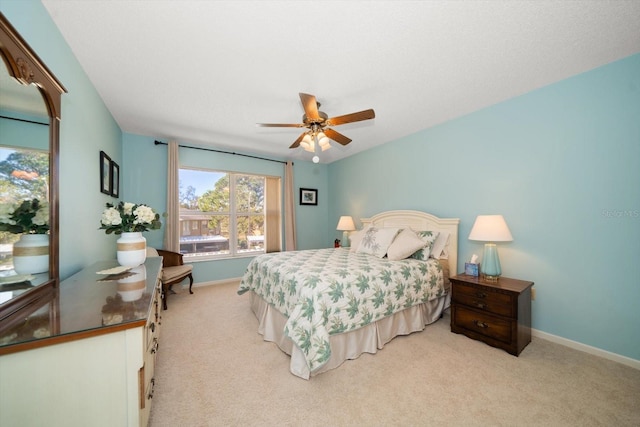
[{"x": 325, "y": 306}]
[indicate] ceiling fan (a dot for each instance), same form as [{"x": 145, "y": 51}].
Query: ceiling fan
[{"x": 317, "y": 122}]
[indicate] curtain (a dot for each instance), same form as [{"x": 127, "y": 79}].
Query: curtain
[
  {"x": 289, "y": 209},
  {"x": 273, "y": 232},
  {"x": 172, "y": 223}
]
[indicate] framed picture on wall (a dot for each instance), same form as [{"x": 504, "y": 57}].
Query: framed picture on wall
[
  {"x": 308, "y": 196},
  {"x": 115, "y": 179},
  {"x": 105, "y": 173}
]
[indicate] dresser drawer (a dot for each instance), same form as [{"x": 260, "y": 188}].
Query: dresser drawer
[
  {"x": 484, "y": 299},
  {"x": 482, "y": 323}
]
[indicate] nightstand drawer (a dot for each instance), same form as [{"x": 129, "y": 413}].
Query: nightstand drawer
[
  {"x": 482, "y": 323},
  {"x": 483, "y": 299}
]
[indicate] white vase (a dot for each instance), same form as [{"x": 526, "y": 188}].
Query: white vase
[
  {"x": 132, "y": 249},
  {"x": 31, "y": 254}
]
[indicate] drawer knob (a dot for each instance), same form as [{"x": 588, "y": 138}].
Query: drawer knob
[
  {"x": 480, "y": 324},
  {"x": 480, "y": 304},
  {"x": 481, "y": 295}
]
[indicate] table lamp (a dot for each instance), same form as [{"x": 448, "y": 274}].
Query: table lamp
[
  {"x": 345, "y": 224},
  {"x": 490, "y": 228}
]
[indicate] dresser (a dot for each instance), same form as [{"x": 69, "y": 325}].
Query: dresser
[
  {"x": 89, "y": 358},
  {"x": 496, "y": 313}
]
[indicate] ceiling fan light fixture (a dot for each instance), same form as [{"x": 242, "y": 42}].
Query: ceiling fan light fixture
[
  {"x": 316, "y": 120},
  {"x": 307, "y": 143},
  {"x": 310, "y": 147},
  {"x": 323, "y": 141}
]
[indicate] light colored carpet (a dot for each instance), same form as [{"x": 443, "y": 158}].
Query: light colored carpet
[{"x": 214, "y": 369}]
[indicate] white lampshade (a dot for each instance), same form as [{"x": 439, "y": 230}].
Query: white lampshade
[
  {"x": 346, "y": 224},
  {"x": 490, "y": 228}
]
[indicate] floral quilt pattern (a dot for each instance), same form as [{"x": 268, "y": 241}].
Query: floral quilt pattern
[{"x": 329, "y": 291}]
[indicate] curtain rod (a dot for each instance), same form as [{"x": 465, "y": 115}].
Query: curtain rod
[
  {"x": 24, "y": 120},
  {"x": 156, "y": 142}
]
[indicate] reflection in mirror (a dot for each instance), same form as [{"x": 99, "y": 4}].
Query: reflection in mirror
[
  {"x": 22, "y": 99},
  {"x": 24, "y": 176}
]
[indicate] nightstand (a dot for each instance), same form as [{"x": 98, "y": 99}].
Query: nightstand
[{"x": 496, "y": 313}]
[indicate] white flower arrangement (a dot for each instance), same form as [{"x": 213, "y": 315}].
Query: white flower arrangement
[
  {"x": 129, "y": 217},
  {"x": 26, "y": 217}
]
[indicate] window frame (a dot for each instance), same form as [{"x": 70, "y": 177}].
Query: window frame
[{"x": 232, "y": 214}]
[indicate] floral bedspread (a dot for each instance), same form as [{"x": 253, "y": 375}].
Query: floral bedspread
[{"x": 329, "y": 291}]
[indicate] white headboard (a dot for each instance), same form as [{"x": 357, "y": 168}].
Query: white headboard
[{"x": 417, "y": 221}]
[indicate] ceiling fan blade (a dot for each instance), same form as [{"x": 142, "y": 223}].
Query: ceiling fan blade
[
  {"x": 310, "y": 106},
  {"x": 350, "y": 118},
  {"x": 297, "y": 141},
  {"x": 336, "y": 136},
  {"x": 281, "y": 125}
]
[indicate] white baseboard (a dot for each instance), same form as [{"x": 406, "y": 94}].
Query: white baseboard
[{"x": 587, "y": 349}]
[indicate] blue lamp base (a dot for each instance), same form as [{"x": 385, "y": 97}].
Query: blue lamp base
[
  {"x": 345, "y": 239},
  {"x": 490, "y": 262}
]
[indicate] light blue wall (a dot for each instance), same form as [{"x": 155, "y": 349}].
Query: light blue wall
[
  {"x": 86, "y": 128},
  {"x": 144, "y": 181},
  {"x": 562, "y": 164}
]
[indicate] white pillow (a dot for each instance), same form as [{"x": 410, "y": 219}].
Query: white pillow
[
  {"x": 438, "y": 250},
  {"x": 354, "y": 239},
  {"x": 376, "y": 240},
  {"x": 404, "y": 245}
]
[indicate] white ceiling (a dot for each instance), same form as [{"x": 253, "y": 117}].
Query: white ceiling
[{"x": 205, "y": 72}]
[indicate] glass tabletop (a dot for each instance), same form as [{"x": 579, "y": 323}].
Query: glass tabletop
[{"x": 91, "y": 299}]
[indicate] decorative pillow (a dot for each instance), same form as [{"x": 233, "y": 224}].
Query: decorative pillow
[
  {"x": 438, "y": 250},
  {"x": 355, "y": 238},
  {"x": 376, "y": 240},
  {"x": 428, "y": 237},
  {"x": 405, "y": 244}
]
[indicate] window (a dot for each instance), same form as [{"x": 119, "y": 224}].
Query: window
[{"x": 222, "y": 214}]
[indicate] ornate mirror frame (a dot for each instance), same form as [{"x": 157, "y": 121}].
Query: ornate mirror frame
[{"x": 27, "y": 68}]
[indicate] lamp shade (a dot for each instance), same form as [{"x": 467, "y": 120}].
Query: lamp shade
[
  {"x": 346, "y": 224},
  {"x": 490, "y": 228}
]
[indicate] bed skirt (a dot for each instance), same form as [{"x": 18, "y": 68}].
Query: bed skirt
[{"x": 348, "y": 345}]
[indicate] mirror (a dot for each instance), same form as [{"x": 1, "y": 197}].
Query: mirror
[
  {"x": 30, "y": 103},
  {"x": 24, "y": 172}
]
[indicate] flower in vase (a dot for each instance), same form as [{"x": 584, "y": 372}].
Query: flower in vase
[{"x": 126, "y": 217}]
